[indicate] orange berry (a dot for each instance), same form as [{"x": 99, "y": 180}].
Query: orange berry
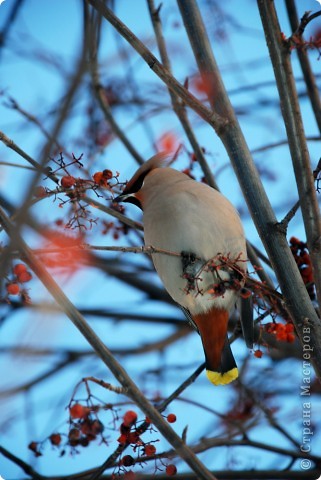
[
  {"x": 129, "y": 418},
  {"x": 13, "y": 288},
  {"x": 97, "y": 177},
  {"x": 19, "y": 268},
  {"x": 171, "y": 470},
  {"x": 67, "y": 181},
  {"x": 258, "y": 353},
  {"x": 24, "y": 277},
  {"x": 171, "y": 418},
  {"x": 150, "y": 450},
  {"x": 78, "y": 411},
  {"x": 101, "y": 178}
]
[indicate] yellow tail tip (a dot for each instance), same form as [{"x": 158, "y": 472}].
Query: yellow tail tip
[{"x": 222, "y": 378}]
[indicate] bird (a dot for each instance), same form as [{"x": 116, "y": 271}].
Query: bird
[{"x": 199, "y": 224}]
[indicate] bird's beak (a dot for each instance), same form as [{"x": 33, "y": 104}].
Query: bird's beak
[{"x": 122, "y": 197}]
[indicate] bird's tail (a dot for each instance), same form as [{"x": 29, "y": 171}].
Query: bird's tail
[{"x": 221, "y": 368}]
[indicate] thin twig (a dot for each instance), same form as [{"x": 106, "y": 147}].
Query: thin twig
[
  {"x": 177, "y": 104},
  {"x": 91, "y": 35}
]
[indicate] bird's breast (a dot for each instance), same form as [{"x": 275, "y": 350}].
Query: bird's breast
[{"x": 204, "y": 227}]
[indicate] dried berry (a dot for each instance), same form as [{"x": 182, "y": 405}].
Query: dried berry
[
  {"x": 171, "y": 470},
  {"x": 150, "y": 450},
  {"x": 55, "y": 439},
  {"x": 127, "y": 461},
  {"x": 68, "y": 181}
]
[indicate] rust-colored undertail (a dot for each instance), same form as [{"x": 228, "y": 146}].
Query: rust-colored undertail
[{"x": 220, "y": 364}]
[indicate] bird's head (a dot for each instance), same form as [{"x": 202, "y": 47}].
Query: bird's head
[{"x": 132, "y": 191}]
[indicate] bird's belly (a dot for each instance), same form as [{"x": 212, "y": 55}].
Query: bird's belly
[{"x": 169, "y": 230}]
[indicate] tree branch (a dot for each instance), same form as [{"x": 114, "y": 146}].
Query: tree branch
[
  {"x": 290, "y": 107},
  {"x": 297, "y": 299},
  {"x": 106, "y": 356}
]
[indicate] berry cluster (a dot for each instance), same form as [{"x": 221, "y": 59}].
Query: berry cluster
[
  {"x": 302, "y": 258},
  {"x": 130, "y": 434},
  {"x": 20, "y": 276},
  {"x": 283, "y": 332},
  {"x": 75, "y": 187},
  {"x": 85, "y": 427}
]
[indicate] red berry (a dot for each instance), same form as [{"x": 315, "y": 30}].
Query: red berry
[
  {"x": 171, "y": 418},
  {"x": 19, "y": 268},
  {"x": 129, "y": 418},
  {"x": 150, "y": 450},
  {"x": 13, "y": 288},
  {"x": 78, "y": 411},
  {"x": 24, "y": 277},
  {"x": 67, "y": 181},
  {"x": 171, "y": 470},
  {"x": 289, "y": 327},
  {"x": 258, "y": 353},
  {"x": 55, "y": 438}
]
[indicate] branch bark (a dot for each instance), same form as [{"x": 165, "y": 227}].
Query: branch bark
[
  {"x": 290, "y": 107},
  {"x": 309, "y": 78}
]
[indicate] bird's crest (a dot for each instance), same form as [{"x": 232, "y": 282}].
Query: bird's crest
[{"x": 161, "y": 159}]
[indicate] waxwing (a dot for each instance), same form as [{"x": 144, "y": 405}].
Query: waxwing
[{"x": 184, "y": 216}]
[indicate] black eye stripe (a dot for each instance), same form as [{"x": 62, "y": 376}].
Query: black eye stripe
[{"x": 137, "y": 184}]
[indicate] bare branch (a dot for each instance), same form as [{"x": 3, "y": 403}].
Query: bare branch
[
  {"x": 106, "y": 356},
  {"x": 290, "y": 107}
]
